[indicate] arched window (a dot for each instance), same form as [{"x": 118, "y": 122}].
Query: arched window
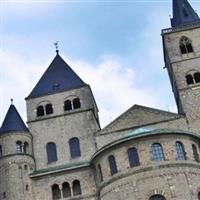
[
  {"x": 100, "y": 172},
  {"x": 49, "y": 109},
  {"x": 26, "y": 147},
  {"x": 74, "y": 147},
  {"x": 56, "y": 193},
  {"x": 76, "y": 103},
  {"x": 185, "y": 45},
  {"x": 19, "y": 148},
  {"x": 133, "y": 157},
  {"x": 40, "y": 111},
  {"x": 113, "y": 165},
  {"x": 157, "y": 197},
  {"x": 195, "y": 153},
  {"x": 180, "y": 151},
  {"x": 199, "y": 196},
  {"x": 67, "y": 105},
  {"x": 76, "y": 187},
  {"x": 27, "y": 187},
  {"x": 66, "y": 190},
  {"x": 197, "y": 77},
  {"x": 1, "y": 152},
  {"x": 51, "y": 152},
  {"x": 189, "y": 79},
  {"x": 26, "y": 167},
  {"x": 4, "y": 195},
  {"x": 157, "y": 152}
]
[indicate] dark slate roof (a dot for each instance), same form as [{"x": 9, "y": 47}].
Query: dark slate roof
[
  {"x": 58, "y": 77},
  {"x": 183, "y": 13},
  {"x": 13, "y": 121}
]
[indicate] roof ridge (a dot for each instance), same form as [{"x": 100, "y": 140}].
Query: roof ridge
[
  {"x": 156, "y": 109},
  {"x": 135, "y": 106}
]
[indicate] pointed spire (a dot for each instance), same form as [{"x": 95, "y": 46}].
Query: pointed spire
[
  {"x": 58, "y": 77},
  {"x": 183, "y": 13},
  {"x": 13, "y": 121}
]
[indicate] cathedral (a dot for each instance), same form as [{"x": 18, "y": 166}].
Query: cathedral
[{"x": 144, "y": 154}]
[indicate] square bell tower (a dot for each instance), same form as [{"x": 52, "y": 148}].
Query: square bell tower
[{"x": 181, "y": 45}]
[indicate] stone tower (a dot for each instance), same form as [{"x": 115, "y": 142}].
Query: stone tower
[
  {"x": 182, "y": 57},
  {"x": 16, "y": 160},
  {"x": 62, "y": 113}
]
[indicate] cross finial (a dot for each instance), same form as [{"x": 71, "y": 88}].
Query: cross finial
[
  {"x": 56, "y": 46},
  {"x": 11, "y": 100}
]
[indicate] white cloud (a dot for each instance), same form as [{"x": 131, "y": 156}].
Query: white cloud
[
  {"x": 116, "y": 85},
  {"x": 113, "y": 86},
  {"x": 112, "y": 83}
]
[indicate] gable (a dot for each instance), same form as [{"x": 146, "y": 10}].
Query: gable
[{"x": 138, "y": 116}]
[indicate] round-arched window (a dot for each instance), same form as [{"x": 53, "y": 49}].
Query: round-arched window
[{"x": 157, "y": 197}]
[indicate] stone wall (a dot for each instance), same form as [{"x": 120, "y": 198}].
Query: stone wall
[
  {"x": 168, "y": 177},
  {"x": 182, "y": 65},
  {"x": 43, "y": 185},
  {"x": 61, "y": 126}
]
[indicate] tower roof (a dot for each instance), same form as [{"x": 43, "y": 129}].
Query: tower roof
[
  {"x": 183, "y": 13},
  {"x": 58, "y": 77},
  {"x": 13, "y": 121}
]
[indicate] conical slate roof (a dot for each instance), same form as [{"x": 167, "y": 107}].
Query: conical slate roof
[
  {"x": 13, "y": 121},
  {"x": 183, "y": 13},
  {"x": 58, "y": 77}
]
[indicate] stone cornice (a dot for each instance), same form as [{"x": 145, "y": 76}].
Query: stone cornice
[{"x": 59, "y": 169}]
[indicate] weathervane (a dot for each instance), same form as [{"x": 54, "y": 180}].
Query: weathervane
[{"x": 56, "y": 46}]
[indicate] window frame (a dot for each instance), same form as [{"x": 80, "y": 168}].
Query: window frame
[
  {"x": 76, "y": 183},
  {"x": 66, "y": 190},
  {"x": 157, "y": 197},
  {"x": 1, "y": 151},
  {"x": 180, "y": 151},
  {"x": 157, "y": 152},
  {"x": 67, "y": 105},
  {"x": 195, "y": 152},
  {"x": 112, "y": 165},
  {"x": 74, "y": 146},
  {"x": 133, "y": 157},
  {"x": 48, "y": 109},
  {"x": 40, "y": 111},
  {"x": 185, "y": 45},
  {"x": 55, "y": 187},
  {"x": 51, "y": 150}
]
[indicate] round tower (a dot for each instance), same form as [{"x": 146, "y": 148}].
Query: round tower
[{"x": 16, "y": 159}]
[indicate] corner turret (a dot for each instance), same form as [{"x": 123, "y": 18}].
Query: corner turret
[
  {"x": 13, "y": 122},
  {"x": 16, "y": 157}
]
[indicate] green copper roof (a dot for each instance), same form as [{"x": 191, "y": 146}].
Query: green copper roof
[
  {"x": 145, "y": 131},
  {"x": 59, "y": 168}
]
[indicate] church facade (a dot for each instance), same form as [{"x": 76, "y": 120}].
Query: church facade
[{"x": 144, "y": 154}]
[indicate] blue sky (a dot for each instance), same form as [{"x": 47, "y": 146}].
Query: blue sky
[{"x": 115, "y": 46}]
